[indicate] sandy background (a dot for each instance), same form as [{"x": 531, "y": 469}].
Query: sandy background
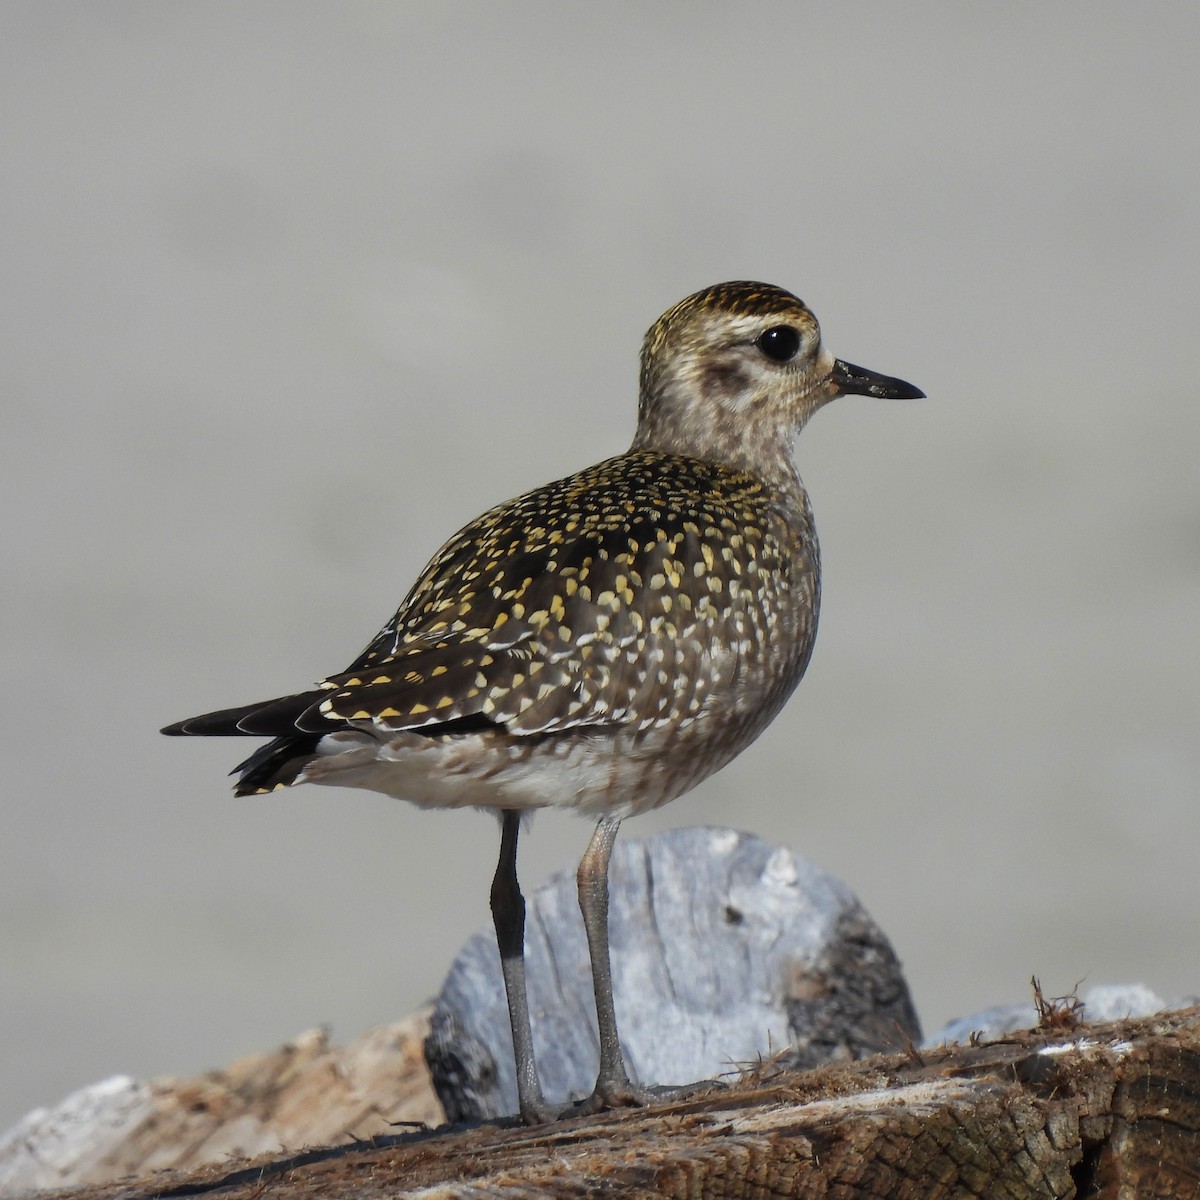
[{"x": 292, "y": 290}]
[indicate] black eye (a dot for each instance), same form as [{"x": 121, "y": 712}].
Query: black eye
[{"x": 780, "y": 343}]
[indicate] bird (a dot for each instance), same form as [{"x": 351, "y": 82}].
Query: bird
[{"x": 602, "y": 643}]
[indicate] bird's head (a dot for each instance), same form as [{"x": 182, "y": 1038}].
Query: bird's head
[{"x": 734, "y": 371}]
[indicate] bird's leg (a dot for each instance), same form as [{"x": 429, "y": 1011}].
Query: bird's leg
[
  {"x": 613, "y": 1085},
  {"x": 508, "y": 913}
]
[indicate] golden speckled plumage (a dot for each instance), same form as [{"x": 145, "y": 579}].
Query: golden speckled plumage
[
  {"x": 539, "y": 614},
  {"x": 605, "y": 641}
]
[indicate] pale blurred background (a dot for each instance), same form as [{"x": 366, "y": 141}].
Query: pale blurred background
[{"x": 292, "y": 290}]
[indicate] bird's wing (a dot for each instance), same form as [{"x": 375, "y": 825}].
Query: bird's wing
[{"x": 592, "y": 601}]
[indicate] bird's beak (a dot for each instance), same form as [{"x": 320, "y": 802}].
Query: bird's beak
[{"x": 857, "y": 381}]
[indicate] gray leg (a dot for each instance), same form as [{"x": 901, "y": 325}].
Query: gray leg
[
  {"x": 612, "y": 1084},
  {"x": 508, "y": 913}
]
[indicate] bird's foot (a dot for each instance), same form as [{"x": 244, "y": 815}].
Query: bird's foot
[
  {"x": 623, "y": 1093},
  {"x": 609, "y": 1095},
  {"x": 541, "y": 1113}
]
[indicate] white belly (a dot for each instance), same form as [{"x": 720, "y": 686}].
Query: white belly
[{"x": 590, "y": 774}]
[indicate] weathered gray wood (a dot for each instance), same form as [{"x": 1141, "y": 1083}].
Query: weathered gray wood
[
  {"x": 725, "y": 950},
  {"x": 1107, "y": 1112}
]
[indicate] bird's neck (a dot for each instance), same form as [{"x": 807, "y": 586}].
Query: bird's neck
[{"x": 763, "y": 452}]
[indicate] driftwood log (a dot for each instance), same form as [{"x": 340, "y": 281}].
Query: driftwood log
[
  {"x": 726, "y": 950},
  {"x": 307, "y": 1092},
  {"x": 1109, "y": 1111}
]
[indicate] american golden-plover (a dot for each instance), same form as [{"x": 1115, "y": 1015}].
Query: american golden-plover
[{"x": 602, "y": 643}]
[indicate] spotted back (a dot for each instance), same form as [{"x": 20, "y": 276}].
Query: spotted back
[{"x": 627, "y": 594}]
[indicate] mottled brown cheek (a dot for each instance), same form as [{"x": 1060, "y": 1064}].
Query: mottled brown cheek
[{"x": 724, "y": 379}]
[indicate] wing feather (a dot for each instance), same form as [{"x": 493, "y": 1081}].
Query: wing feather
[{"x": 577, "y": 605}]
